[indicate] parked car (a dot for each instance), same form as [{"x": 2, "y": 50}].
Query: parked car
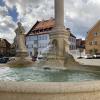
[
  {"x": 96, "y": 56},
  {"x": 12, "y": 59},
  {"x": 88, "y": 56},
  {"x": 34, "y": 58},
  {"x": 4, "y": 59},
  {"x": 41, "y": 57},
  {"x": 1, "y": 60},
  {"x": 79, "y": 57}
]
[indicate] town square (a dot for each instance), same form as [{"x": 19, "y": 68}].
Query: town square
[{"x": 49, "y": 50}]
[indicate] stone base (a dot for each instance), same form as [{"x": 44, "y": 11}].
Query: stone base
[
  {"x": 57, "y": 62},
  {"x": 89, "y": 90},
  {"x": 70, "y": 61},
  {"x": 20, "y": 62},
  {"x": 51, "y": 63},
  {"x": 22, "y": 54}
]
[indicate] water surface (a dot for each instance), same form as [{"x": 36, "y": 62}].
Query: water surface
[{"x": 41, "y": 75}]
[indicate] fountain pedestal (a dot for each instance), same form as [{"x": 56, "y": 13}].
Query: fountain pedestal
[{"x": 58, "y": 56}]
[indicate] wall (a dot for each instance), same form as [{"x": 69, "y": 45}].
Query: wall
[
  {"x": 50, "y": 91},
  {"x": 72, "y": 41},
  {"x": 91, "y": 37},
  {"x": 41, "y": 42}
]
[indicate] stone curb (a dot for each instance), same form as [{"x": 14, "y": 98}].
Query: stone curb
[{"x": 49, "y": 87}]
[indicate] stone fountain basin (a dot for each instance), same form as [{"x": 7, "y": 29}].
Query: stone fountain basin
[{"x": 89, "y": 90}]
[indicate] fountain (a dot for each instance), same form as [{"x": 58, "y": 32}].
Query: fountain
[
  {"x": 29, "y": 84},
  {"x": 21, "y": 59},
  {"x": 57, "y": 55}
]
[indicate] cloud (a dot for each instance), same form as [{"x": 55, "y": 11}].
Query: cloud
[
  {"x": 80, "y": 15},
  {"x": 30, "y": 11},
  {"x": 6, "y": 25}
]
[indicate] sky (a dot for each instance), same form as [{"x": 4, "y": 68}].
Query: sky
[{"x": 80, "y": 15}]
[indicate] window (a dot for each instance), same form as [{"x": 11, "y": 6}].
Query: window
[
  {"x": 94, "y": 42},
  {"x": 45, "y": 37},
  {"x": 26, "y": 46},
  {"x": 40, "y": 45},
  {"x": 35, "y": 41},
  {"x": 90, "y": 43},
  {"x": 95, "y": 33},
  {"x": 39, "y": 38},
  {"x": 35, "y": 37}
]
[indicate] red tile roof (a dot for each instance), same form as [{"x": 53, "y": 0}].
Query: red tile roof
[
  {"x": 42, "y": 27},
  {"x": 45, "y": 24}
]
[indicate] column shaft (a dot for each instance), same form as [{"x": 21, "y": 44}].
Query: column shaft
[{"x": 59, "y": 13}]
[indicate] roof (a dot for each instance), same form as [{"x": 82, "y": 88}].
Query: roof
[
  {"x": 1, "y": 39},
  {"x": 72, "y": 35},
  {"x": 42, "y": 27},
  {"x": 98, "y": 22},
  {"x": 79, "y": 39},
  {"x": 45, "y": 24},
  {"x": 7, "y": 43}
]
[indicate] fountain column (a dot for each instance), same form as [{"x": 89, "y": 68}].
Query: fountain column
[
  {"x": 59, "y": 33},
  {"x": 59, "y": 13},
  {"x": 58, "y": 37},
  {"x": 57, "y": 55}
]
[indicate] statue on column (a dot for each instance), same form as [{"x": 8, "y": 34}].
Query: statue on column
[{"x": 21, "y": 49}]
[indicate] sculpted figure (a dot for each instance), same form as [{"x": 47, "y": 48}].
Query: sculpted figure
[{"x": 20, "y": 39}]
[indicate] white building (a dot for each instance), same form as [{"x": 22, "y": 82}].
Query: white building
[
  {"x": 72, "y": 40},
  {"x": 37, "y": 38}
]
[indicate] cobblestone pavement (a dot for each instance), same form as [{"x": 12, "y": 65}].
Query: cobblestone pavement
[{"x": 95, "y": 62}]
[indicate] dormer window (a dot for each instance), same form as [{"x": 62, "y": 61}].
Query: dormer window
[{"x": 95, "y": 33}]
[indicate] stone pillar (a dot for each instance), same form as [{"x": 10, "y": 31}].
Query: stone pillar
[
  {"x": 59, "y": 40},
  {"x": 59, "y": 13},
  {"x": 59, "y": 33}
]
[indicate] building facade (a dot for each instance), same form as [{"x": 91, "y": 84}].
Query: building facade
[
  {"x": 38, "y": 39},
  {"x": 80, "y": 43},
  {"x": 93, "y": 40},
  {"x": 72, "y": 41},
  {"x": 4, "y": 47}
]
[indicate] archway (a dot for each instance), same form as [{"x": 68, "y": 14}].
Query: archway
[{"x": 55, "y": 44}]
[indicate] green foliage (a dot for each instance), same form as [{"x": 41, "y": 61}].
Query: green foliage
[{"x": 93, "y": 51}]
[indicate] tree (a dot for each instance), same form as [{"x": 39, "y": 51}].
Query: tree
[{"x": 94, "y": 51}]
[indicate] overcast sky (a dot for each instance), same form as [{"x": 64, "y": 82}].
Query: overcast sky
[{"x": 80, "y": 15}]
